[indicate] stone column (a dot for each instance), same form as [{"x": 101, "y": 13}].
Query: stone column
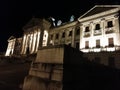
[
  {"x": 34, "y": 40},
  {"x": 31, "y": 37},
  {"x": 25, "y": 47},
  {"x": 73, "y": 38},
  {"x": 41, "y": 37},
  {"x": 103, "y": 27},
  {"x": 23, "y": 44},
  {"x": 91, "y": 40},
  {"x": 31, "y": 42},
  {"x": 38, "y": 38}
]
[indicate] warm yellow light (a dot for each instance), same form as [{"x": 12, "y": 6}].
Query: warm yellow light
[{"x": 45, "y": 38}]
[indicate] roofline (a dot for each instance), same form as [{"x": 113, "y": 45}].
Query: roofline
[
  {"x": 65, "y": 25},
  {"x": 87, "y": 12},
  {"x": 98, "y": 6}
]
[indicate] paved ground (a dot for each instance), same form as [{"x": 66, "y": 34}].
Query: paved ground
[{"x": 12, "y": 75}]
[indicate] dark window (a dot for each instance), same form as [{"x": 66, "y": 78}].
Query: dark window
[
  {"x": 97, "y": 27},
  {"x": 77, "y": 45},
  {"x": 51, "y": 37},
  {"x": 70, "y": 33},
  {"x": 87, "y": 29},
  {"x": 57, "y": 36},
  {"x": 98, "y": 43},
  {"x": 78, "y": 31},
  {"x": 111, "y": 44},
  {"x": 110, "y": 24},
  {"x": 97, "y": 59},
  {"x": 69, "y": 44},
  {"x": 63, "y": 34},
  {"x": 86, "y": 44},
  {"x": 111, "y": 61}
]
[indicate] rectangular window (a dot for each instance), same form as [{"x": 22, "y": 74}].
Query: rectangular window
[
  {"x": 70, "y": 33},
  {"x": 97, "y": 27},
  {"x": 51, "y": 37},
  {"x": 111, "y": 61},
  {"x": 57, "y": 36},
  {"x": 110, "y": 42},
  {"x": 110, "y": 24},
  {"x": 63, "y": 35},
  {"x": 98, "y": 43},
  {"x": 87, "y": 29},
  {"x": 86, "y": 44}
]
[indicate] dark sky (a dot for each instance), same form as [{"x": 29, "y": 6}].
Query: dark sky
[{"x": 14, "y": 14}]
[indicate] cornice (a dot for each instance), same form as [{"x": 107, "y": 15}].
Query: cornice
[{"x": 99, "y": 15}]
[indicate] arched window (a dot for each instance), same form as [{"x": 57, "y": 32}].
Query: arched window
[{"x": 97, "y": 27}]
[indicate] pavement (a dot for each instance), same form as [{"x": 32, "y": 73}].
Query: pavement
[{"x": 12, "y": 75}]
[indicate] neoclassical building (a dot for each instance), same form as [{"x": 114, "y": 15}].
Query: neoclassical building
[{"x": 96, "y": 33}]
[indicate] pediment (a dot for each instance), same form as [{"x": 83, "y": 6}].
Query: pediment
[
  {"x": 33, "y": 22},
  {"x": 98, "y": 9},
  {"x": 11, "y": 37}
]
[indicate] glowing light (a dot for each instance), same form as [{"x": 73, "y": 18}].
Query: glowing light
[
  {"x": 38, "y": 37},
  {"x": 111, "y": 49},
  {"x": 10, "y": 48},
  {"x": 45, "y": 38}
]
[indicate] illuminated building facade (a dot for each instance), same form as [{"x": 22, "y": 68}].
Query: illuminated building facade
[
  {"x": 14, "y": 46},
  {"x": 100, "y": 34},
  {"x": 96, "y": 33},
  {"x": 100, "y": 31}
]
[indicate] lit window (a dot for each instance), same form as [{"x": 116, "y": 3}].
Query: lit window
[
  {"x": 109, "y": 24},
  {"x": 110, "y": 41},
  {"x": 97, "y": 27},
  {"x": 87, "y": 29},
  {"x": 98, "y": 43},
  {"x": 86, "y": 44}
]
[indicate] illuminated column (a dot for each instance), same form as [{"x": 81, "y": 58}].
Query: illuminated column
[
  {"x": 31, "y": 38},
  {"x": 38, "y": 38},
  {"x": 103, "y": 39},
  {"x": 45, "y": 38},
  {"x": 24, "y": 50},
  {"x": 117, "y": 28},
  {"x": 34, "y": 39},
  {"x": 92, "y": 40},
  {"x": 23, "y": 44},
  {"x": 82, "y": 45},
  {"x": 73, "y": 37}
]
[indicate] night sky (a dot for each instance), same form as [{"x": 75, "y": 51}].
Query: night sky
[{"x": 14, "y": 14}]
